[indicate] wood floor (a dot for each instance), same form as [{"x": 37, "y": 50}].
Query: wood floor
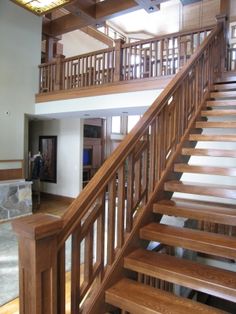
[{"x": 55, "y": 206}]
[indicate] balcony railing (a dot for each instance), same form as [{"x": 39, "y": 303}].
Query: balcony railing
[{"x": 151, "y": 58}]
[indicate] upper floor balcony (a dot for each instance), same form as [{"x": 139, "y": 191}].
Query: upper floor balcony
[{"x": 139, "y": 65}]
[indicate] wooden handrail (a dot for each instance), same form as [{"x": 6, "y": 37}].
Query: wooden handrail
[
  {"x": 103, "y": 221},
  {"x": 176, "y": 34},
  {"x": 110, "y": 166}
]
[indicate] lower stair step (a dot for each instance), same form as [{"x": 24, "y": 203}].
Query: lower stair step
[
  {"x": 221, "y": 171},
  {"x": 209, "y": 152},
  {"x": 223, "y": 94},
  {"x": 208, "y": 279},
  {"x": 225, "y": 191},
  {"x": 218, "y": 124},
  {"x": 218, "y": 113},
  {"x": 199, "y": 210},
  {"x": 221, "y": 103},
  {"x": 137, "y": 298},
  {"x": 199, "y": 241},
  {"x": 213, "y": 137}
]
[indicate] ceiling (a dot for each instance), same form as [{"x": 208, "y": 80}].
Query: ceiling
[{"x": 80, "y": 13}]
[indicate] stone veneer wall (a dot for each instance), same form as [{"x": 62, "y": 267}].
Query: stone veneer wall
[{"x": 15, "y": 199}]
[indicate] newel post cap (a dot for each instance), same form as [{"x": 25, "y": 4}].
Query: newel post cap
[{"x": 37, "y": 226}]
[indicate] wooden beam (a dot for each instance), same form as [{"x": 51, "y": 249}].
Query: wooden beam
[
  {"x": 65, "y": 24},
  {"x": 80, "y": 18},
  {"x": 93, "y": 32},
  {"x": 113, "y": 8}
]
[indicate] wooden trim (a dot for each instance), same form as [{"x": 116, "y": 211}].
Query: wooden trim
[
  {"x": 105, "y": 89},
  {"x": 57, "y": 197}
]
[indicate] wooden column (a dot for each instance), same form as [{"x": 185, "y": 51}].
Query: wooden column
[
  {"x": 37, "y": 237},
  {"x": 59, "y": 72},
  {"x": 49, "y": 49},
  {"x": 221, "y": 18},
  {"x": 118, "y": 59}
]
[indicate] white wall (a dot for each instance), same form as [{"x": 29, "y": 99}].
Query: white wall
[
  {"x": 20, "y": 42},
  {"x": 69, "y": 134},
  {"x": 77, "y": 42}
]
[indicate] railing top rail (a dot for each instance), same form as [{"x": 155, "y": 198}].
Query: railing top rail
[
  {"x": 177, "y": 34},
  {"x": 98, "y": 183},
  {"x": 84, "y": 55},
  {"x": 43, "y": 65}
]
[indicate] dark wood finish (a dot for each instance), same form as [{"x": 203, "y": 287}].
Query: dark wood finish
[
  {"x": 200, "y": 241},
  {"x": 183, "y": 272},
  {"x": 137, "y": 298},
  {"x": 199, "y": 210}
]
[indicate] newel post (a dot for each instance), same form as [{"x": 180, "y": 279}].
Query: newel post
[
  {"x": 118, "y": 59},
  {"x": 59, "y": 72},
  {"x": 222, "y": 19},
  {"x": 37, "y": 238}
]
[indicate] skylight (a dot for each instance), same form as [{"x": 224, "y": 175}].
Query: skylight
[{"x": 41, "y": 7}]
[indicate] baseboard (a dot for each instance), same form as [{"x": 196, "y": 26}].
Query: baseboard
[{"x": 57, "y": 197}]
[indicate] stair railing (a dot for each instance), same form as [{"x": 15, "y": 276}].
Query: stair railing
[
  {"x": 104, "y": 219},
  {"x": 155, "y": 57}
]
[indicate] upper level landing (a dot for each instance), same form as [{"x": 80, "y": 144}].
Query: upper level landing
[{"x": 143, "y": 66}]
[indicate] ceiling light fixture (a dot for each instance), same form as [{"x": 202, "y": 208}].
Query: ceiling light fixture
[{"x": 41, "y": 7}]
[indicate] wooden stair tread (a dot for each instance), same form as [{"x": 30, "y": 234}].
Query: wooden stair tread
[
  {"x": 204, "y": 278},
  {"x": 137, "y": 298},
  {"x": 221, "y": 103},
  {"x": 218, "y": 113},
  {"x": 222, "y": 171},
  {"x": 200, "y": 210},
  {"x": 223, "y": 94},
  {"x": 213, "y": 137},
  {"x": 218, "y": 124},
  {"x": 200, "y": 241},
  {"x": 225, "y": 191},
  {"x": 209, "y": 152},
  {"x": 222, "y": 87}
]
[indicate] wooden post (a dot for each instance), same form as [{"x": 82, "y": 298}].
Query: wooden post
[
  {"x": 221, "y": 18},
  {"x": 49, "y": 49},
  {"x": 37, "y": 237},
  {"x": 118, "y": 59},
  {"x": 59, "y": 72}
]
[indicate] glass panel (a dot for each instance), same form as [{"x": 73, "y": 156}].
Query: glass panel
[{"x": 115, "y": 124}]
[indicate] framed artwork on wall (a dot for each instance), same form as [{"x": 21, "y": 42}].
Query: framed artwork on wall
[{"x": 48, "y": 150}]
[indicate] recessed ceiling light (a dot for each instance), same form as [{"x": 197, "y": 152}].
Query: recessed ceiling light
[
  {"x": 151, "y": 9},
  {"x": 41, "y": 7}
]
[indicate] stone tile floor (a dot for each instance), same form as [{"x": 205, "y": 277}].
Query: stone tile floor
[{"x": 8, "y": 264}]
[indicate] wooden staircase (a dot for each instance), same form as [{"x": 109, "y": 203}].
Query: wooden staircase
[{"x": 209, "y": 205}]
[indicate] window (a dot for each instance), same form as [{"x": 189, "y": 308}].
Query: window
[
  {"x": 132, "y": 120},
  {"x": 115, "y": 124}
]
